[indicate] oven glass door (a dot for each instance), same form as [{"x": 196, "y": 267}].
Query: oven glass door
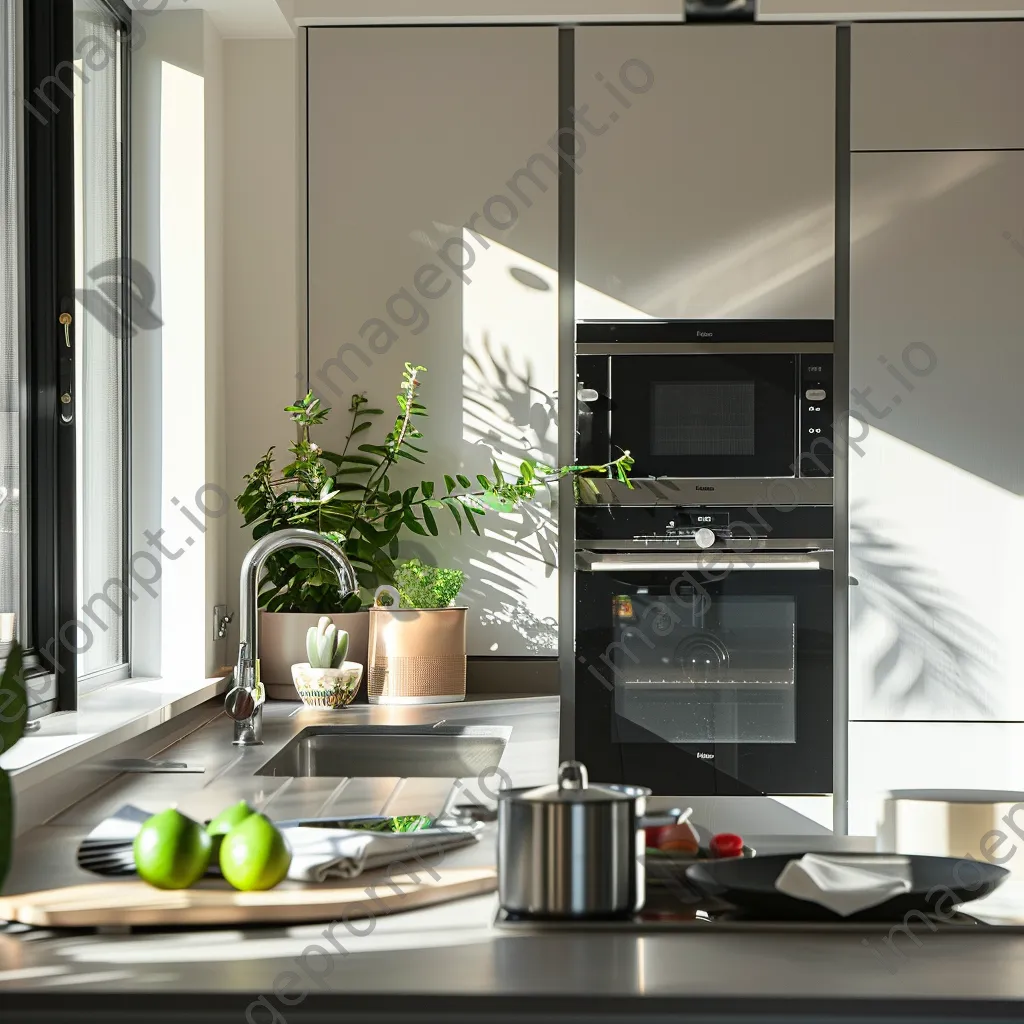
[
  {"x": 694, "y": 415},
  {"x": 702, "y": 683}
]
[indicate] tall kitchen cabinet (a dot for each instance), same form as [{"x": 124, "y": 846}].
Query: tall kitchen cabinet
[
  {"x": 432, "y": 228},
  {"x": 705, "y": 171},
  {"x": 937, "y": 356}
]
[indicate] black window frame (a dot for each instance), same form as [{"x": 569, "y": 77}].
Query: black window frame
[{"x": 48, "y": 525}]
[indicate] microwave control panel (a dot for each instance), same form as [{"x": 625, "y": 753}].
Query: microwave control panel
[{"x": 815, "y": 448}]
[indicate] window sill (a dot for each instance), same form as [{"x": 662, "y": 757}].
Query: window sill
[{"x": 106, "y": 718}]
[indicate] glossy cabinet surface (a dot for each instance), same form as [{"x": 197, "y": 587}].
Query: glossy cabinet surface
[
  {"x": 936, "y": 475},
  {"x": 705, "y": 167},
  {"x": 432, "y": 239},
  {"x": 951, "y": 85}
]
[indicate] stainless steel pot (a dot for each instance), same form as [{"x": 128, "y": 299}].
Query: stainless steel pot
[{"x": 572, "y": 850}]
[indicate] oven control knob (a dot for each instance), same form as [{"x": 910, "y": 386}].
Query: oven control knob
[{"x": 704, "y": 538}]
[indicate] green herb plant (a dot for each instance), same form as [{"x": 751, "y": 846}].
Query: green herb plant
[
  {"x": 350, "y": 497},
  {"x": 426, "y": 586}
]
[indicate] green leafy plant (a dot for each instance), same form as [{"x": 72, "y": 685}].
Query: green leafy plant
[
  {"x": 426, "y": 586},
  {"x": 13, "y": 715},
  {"x": 350, "y": 497},
  {"x": 326, "y": 645}
]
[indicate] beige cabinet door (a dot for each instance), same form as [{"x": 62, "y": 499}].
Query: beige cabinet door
[
  {"x": 936, "y": 473},
  {"x": 432, "y": 239},
  {"x": 705, "y": 180},
  {"x": 952, "y": 85}
]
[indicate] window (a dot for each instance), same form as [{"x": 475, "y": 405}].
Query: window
[{"x": 64, "y": 329}]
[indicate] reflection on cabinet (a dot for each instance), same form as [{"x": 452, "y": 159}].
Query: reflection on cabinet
[
  {"x": 952, "y": 85},
  {"x": 936, "y": 476},
  {"x": 706, "y": 171},
  {"x": 432, "y": 238}
]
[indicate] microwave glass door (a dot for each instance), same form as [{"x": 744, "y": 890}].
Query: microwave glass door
[
  {"x": 705, "y": 415},
  {"x": 696, "y": 683}
]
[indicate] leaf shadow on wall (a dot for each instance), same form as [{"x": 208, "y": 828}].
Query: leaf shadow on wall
[
  {"x": 924, "y": 652},
  {"x": 509, "y": 419}
]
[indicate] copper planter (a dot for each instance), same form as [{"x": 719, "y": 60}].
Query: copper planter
[{"x": 416, "y": 656}]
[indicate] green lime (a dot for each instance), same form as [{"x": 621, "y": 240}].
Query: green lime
[
  {"x": 226, "y": 821},
  {"x": 254, "y": 855},
  {"x": 171, "y": 850}
]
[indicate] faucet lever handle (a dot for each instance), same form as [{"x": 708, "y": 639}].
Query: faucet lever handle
[{"x": 240, "y": 703}]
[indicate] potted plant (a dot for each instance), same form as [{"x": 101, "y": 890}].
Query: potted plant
[
  {"x": 327, "y": 680},
  {"x": 417, "y": 649},
  {"x": 349, "y": 496}
]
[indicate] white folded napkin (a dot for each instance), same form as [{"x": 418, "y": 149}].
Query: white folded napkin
[
  {"x": 845, "y": 885},
  {"x": 318, "y": 854}
]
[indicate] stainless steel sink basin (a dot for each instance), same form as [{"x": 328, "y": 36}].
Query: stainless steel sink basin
[{"x": 405, "y": 751}]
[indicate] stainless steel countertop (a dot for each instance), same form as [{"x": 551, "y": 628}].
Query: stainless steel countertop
[{"x": 450, "y": 959}]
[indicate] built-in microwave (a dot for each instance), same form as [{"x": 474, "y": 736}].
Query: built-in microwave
[{"x": 722, "y": 412}]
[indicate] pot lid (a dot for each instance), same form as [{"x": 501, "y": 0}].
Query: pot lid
[{"x": 573, "y": 786}]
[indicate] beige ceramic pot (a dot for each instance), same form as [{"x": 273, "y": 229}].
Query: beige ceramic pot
[{"x": 282, "y": 643}]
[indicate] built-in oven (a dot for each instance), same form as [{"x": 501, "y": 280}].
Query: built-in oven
[
  {"x": 724, "y": 410},
  {"x": 704, "y": 655}
]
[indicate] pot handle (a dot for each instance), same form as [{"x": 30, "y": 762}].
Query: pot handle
[
  {"x": 383, "y": 589},
  {"x": 672, "y": 817},
  {"x": 572, "y": 775}
]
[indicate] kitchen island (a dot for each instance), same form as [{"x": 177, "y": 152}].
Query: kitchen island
[{"x": 450, "y": 962}]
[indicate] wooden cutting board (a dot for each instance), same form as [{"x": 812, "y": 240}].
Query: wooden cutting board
[{"x": 134, "y": 904}]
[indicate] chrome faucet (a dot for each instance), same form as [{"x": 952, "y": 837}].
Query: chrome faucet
[{"x": 244, "y": 701}]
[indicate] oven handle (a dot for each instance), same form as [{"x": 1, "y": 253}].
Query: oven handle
[{"x": 703, "y": 561}]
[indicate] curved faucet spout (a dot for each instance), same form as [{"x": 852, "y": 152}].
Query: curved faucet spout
[{"x": 243, "y": 703}]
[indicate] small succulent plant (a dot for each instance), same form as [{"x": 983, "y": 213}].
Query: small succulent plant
[{"x": 326, "y": 645}]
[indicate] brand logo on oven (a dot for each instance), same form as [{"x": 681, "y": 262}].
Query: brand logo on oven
[
  {"x": 705, "y": 757},
  {"x": 704, "y": 487}
]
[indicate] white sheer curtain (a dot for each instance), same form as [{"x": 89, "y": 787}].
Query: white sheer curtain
[{"x": 10, "y": 547}]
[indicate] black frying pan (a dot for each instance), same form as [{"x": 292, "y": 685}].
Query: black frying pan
[{"x": 938, "y": 884}]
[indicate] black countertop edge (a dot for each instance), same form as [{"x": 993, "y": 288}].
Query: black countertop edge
[{"x": 213, "y": 1008}]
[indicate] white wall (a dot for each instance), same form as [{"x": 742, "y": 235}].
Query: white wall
[
  {"x": 178, "y": 368},
  {"x": 218, "y": 588},
  {"x": 261, "y": 234}
]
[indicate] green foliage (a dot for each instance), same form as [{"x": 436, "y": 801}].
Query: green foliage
[
  {"x": 13, "y": 714},
  {"x": 326, "y": 645},
  {"x": 425, "y": 586},
  {"x": 349, "y": 497}
]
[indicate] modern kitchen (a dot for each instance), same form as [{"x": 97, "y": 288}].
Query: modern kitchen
[{"x": 498, "y": 510}]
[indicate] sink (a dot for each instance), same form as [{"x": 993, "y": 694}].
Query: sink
[{"x": 389, "y": 751}]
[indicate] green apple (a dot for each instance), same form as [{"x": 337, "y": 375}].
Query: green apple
[
  {"x": 225, "y": 822},
  {"x": 254, "y": 854},
  {"x": 171, "y": 850}
]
